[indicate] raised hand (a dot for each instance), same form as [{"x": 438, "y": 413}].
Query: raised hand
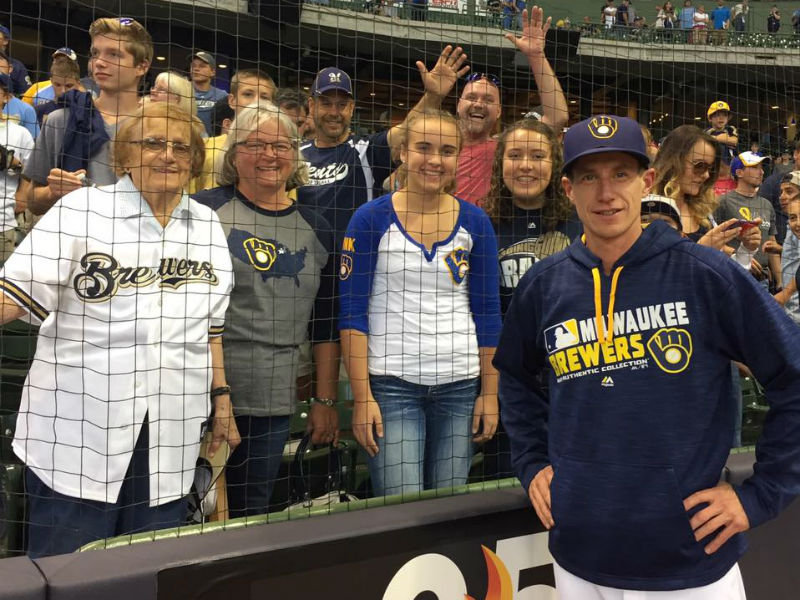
[
  {"x": 534, "y": 32},
  {"x": 450, "y": 66}
]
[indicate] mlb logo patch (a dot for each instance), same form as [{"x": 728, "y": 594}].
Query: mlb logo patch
[{"x": 561, "y": 336}]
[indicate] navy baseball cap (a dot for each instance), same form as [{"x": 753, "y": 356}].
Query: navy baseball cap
[
  {"x": 331, "y": 78},
  {"x": 5, "y": 82},
  {"x": 68, "y": 52},
  {"x": 5, "y": 31},
  {"x": 604, "y": 133}
]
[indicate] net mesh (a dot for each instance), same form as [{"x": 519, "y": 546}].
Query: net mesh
[{"x": 298, "y": 271}]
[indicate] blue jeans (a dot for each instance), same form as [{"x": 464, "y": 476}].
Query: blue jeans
[
  {"x": 253, "y": 466},
  {"x": 59, "y": 524},
  {"x": 427, "y": 435}
]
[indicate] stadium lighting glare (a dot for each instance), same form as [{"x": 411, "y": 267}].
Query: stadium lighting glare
[
  {"x": 161, "y": 58},
  {"x": 573, "y": 101},
  {"x": 372, "y": 93},
  {"x": 775, "y": 107},
  {"x": 306, "y": 88},
  {"x": 745, "y": 119},
  {"x": 400, "y": 104},
  {"x": 697, "y": 118}
]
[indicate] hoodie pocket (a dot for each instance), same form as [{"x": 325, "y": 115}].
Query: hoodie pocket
[{"x": 621, "y": 520}]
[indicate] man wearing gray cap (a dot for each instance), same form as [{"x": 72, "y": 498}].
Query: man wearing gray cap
[
  {"x": 615, "y": 391},
  {"x": 203, "y": 70}
]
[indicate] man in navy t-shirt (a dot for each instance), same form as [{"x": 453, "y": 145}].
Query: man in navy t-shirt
[
  {"x": 204, "y": 68},
  {"x": 348, "y": 170}
]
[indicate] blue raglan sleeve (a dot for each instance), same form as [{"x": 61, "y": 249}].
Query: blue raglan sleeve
[
  {"x": 484, "y": 280},
  {"x": 524, "y": 404},
  {"x": 357, "y": 269},
  {"x": 768, "y": 345}
]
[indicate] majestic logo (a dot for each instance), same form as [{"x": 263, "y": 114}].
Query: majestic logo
[
  {"x": 458, "y": 264},
  {"x": 269, "y": 257},
  {"x": 603, "y": 127},
  {"x": 103, "y": 276},
  {"x": 334, "y": 77},
  {"x": 607, "y": 381},
  {"x": 671, "y": 348}
]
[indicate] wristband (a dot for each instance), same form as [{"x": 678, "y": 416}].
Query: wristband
[
  {"x": 220, "y": 391},
  {"x": 326, "y": 401}
]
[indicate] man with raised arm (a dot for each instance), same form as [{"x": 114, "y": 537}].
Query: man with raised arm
[{"x": 479, "y": 108}]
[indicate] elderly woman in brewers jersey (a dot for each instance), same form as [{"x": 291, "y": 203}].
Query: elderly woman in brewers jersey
[
  {"x": 283, "y": 295},
  {"x": 419, "y": 319},
  {"x": 130, "y": 284}
]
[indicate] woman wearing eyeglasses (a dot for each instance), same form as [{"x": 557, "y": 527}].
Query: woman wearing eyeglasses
[
  {"x": 687, "y": 165},
  {"x": 130, "y": 284},
  {"x": 283, "y": 296}
]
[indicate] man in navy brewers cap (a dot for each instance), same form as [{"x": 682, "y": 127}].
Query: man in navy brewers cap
[
  {"x": 347, "y": 170},
  {"x": 615, "y": 390},
  {"x": 20, "y": 80}
]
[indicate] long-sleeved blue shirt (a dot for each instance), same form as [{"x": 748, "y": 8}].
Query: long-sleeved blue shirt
[
  {"x": 426, "y": 312},
  {"x": 639, "y": 413}
]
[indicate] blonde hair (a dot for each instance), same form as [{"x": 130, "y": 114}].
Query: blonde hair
[
  {"x": 131, "y": 129},
  {"x": 138, "y": 41},
  {"x": 670, "y": 164},
  {"x": 181, "y": 87},
  {"x": 249, "y": 119},
  {"x": 403, "y": 130}
]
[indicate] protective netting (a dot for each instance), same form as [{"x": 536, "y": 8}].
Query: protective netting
[{"x": 116, "y": 302}]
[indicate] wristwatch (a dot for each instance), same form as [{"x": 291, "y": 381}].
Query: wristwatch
[
  {"x": 220, "y": 391},
  {"x": 330, "y": 403}
]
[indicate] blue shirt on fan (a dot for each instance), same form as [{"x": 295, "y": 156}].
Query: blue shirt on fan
[
  {"x": 344, "y": 177},
  {"x": 205, "y": 104}
]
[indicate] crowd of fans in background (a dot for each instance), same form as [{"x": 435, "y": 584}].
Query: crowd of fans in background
[{"x": 410, "y": 240}]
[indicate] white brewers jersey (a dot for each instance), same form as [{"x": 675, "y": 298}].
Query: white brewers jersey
[
  {"x": 14, "y": 137},
  {"x": 126, "y": 310}
]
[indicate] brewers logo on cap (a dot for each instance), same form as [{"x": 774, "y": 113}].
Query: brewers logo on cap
[{"x": 603, "y": 127}]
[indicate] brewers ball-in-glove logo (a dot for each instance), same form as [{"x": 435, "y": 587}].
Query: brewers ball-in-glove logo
[
  {"x": 603, "y": 127},
  {"x": 269, "y": 257},
  {"x": 458, "y": 264},
  {"x": 671, "y": 348}
]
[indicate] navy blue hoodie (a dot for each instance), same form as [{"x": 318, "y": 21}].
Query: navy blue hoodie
[{"x": 636, "y": 424}]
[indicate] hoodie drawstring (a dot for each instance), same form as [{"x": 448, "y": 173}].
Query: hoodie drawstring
[{"x": 604, "y": 336}]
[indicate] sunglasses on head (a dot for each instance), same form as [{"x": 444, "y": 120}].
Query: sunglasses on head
[{"x": 493, "y": 79}]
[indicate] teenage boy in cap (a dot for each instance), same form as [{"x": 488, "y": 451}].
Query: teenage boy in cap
[
  {"x": 64, "y": 76},
  {"x": 745, "y": 204},
  {"x": 348, "y": 170},
  {"x": 73, "y": 149},
  {"x": 203, "y": 69},
  {"x": 633, "y": 330},
  {"x": 20, "y": 80},
  {"x": 16, "y": 144},
  {"x": 16, "y": 108}
]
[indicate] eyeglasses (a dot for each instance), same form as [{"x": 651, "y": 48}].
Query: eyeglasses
[
  {"x": 701, "y": 167},
  {"x": 259, "y": 147},
  {"x": 158, "y": 145},
  {"x": 493, "y": 79}
]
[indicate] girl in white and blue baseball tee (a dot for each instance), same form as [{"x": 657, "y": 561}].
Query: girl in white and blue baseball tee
[{"x": 420, "y": 316}]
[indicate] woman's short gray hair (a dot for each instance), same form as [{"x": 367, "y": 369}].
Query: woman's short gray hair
[{"x": 249, "y": 119}]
